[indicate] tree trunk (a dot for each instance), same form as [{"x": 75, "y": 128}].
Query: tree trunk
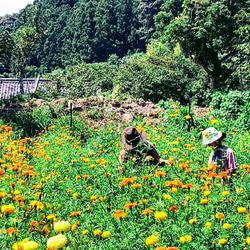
[{"x": 21, "y": 81}]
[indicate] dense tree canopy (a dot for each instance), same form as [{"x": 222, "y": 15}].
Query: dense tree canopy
[
  {"x": 208, "y": 32},
  {"x": 212, "y": 34}
]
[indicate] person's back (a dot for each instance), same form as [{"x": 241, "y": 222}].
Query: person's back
[{"x": 134, "y": 146}]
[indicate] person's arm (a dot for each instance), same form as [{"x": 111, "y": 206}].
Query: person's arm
[
  {"x": 157, "y": 157},
  {"x": 122, "y": 156}
]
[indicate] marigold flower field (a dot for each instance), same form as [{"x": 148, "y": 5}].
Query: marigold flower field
[{"x": 60, "y": 193}]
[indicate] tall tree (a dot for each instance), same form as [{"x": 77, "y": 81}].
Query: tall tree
[
  {"x": 27, "y": 32},
  {"x": 147, "y": 9},
  {"x": 207, "y": 32},
  {"x": 6, "y": 47}
]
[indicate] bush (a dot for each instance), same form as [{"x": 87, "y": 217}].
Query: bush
[{"x": 231, "y": 104}]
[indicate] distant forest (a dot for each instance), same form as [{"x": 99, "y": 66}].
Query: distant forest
[
  {"x": 54, "y": 34},
  {"x": 74, "y": 31}
]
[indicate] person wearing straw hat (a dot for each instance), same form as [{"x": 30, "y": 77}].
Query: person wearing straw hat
[
  {"x": 135, "y": 146},
  {"x": 223, "y": 156}
]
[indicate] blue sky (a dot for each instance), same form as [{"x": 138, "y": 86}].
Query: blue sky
[{"x": 12, "y": 6}]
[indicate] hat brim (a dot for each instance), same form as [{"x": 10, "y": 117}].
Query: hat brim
[
  {"x": 126, "y": 146},
  {"x": 215, "y": 138}
]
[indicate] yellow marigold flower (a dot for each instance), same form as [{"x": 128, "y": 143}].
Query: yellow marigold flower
[
  {"x": 172, "y": 115},
  {"x": 62, "y": 226},
  {"x": 167, "y": 196},
  {"x": 185, "y": 238},
  {"x": 182, "y": 239},
  {"x": 204, "y": 201},
  {"x": 188, "y": 238},
  {"x": 192, "y": 221},
  {"x": 160, "y": 215},
  {"x": 74, "y": 226},
  {"x": 30, "y": 245},
  {"x": 151, "y": 240},
  {"x": 3, "y": 194},
  {"x": 57, "y": 242},
  {"x": 222, "y": 241},
  {"x": 136, "y": 185},
  {"x": 75, "y": 195},
  {"x": 226, "y": 226},
  {"x": 85, "y": 231},
  {"x": 7, "y": 209},
  {"x": 106, "y": 234},
  {"x": 97, "y": 231},
  {"x": 94, "y": 197},
  {"x": 19, "y": 245},
  {"x": 173, "y": 189},
  {"x": 241, "y": 210},
  {"x": 225, "y": 193},
  {"x": 240, "y": 190},
  {"x": 208, "y": 224},
  {"x": 248, "y": 241},
  {"x": 17, "y": 192},
  {"x": 219, "y": 215},
  {"x": 36, "y": 204},
  {"x": 206, "y": 134},
  {"x": 207, "y": 193},
  {"x": 187, "y": 117},
  {"x": 213, "y": 121},
  {"x": 51, "y": 216}
]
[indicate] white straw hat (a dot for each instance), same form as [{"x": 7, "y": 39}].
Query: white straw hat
[{"x": 211, "y": 135}]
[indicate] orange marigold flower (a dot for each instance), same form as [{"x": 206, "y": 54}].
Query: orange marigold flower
[
  {"x": 45, "y": 229},
  {"x": 118, "y": 214},
  {"x": 34, "y": 223},
  {"x": 12, "y": 230},
  {"x": 143, "y": 201},
  {"x": 223, "y": 174},
  {"x": 219, "y": 215},
  {"x": 147, "y": 211},
  {"x": 160, "y": 248},
  {"x": 173, "y": 208},
  {"x": 160, "y": 173},
  {"x": 75, "y": 213},
  {"x": 145, "y": 177},
  {"x": 130, "y": 205}
]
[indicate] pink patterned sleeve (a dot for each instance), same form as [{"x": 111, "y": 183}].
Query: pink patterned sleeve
[
  {"x": 210, "y": 159},
  {"x": 231, "y": 159}
]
